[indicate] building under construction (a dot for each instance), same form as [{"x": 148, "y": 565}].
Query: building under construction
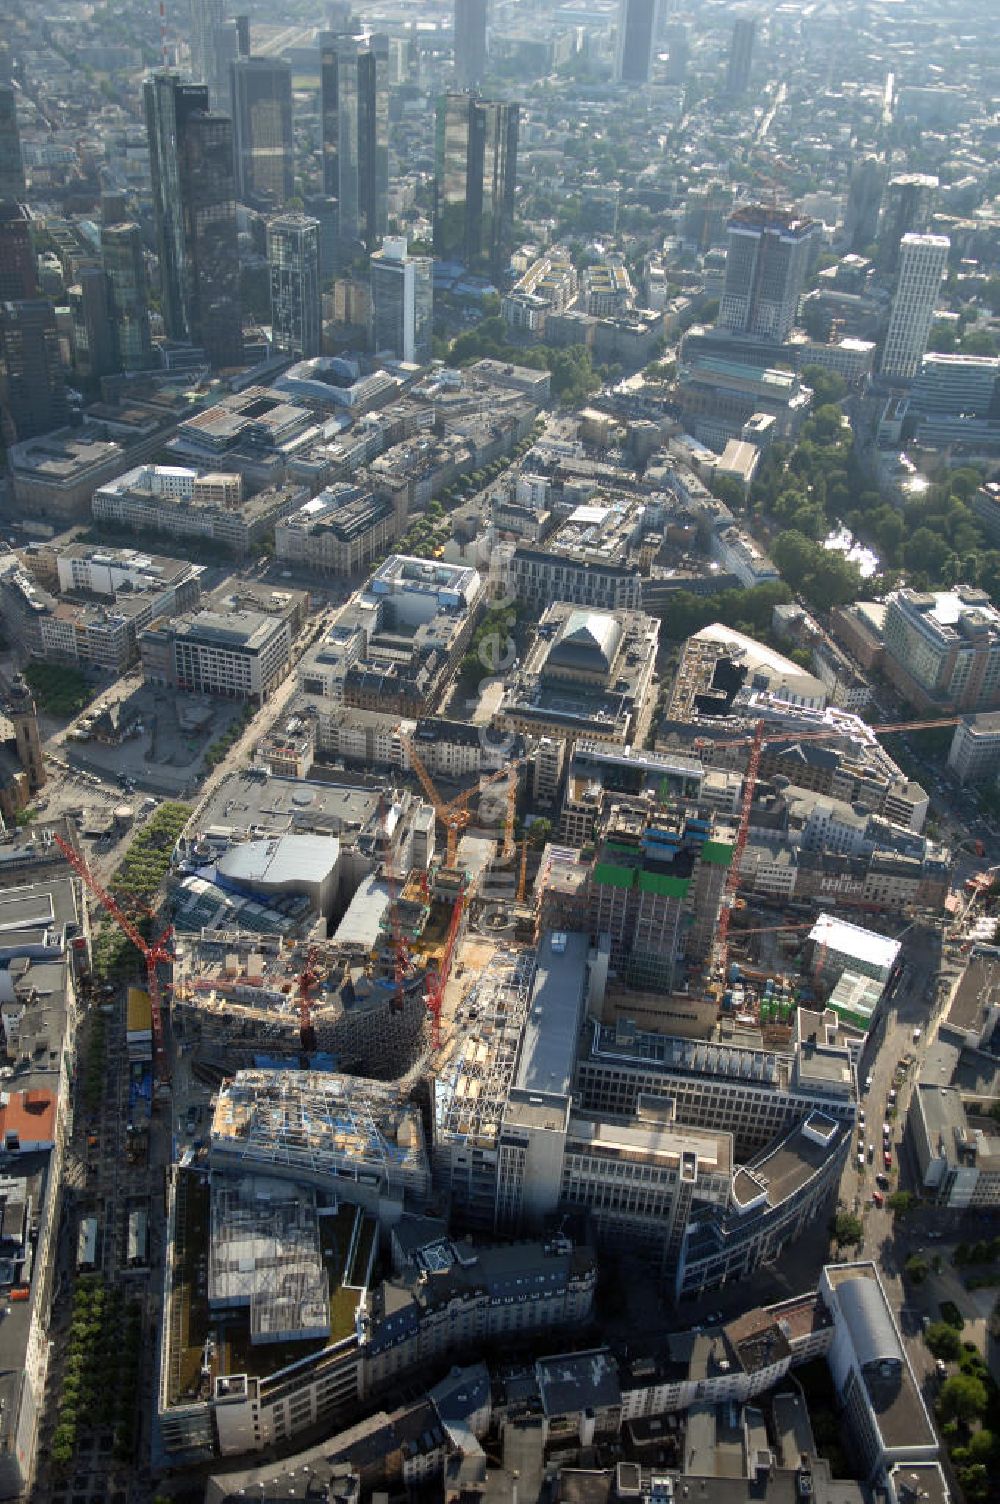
[
  {"x": 237, "y": 996},
  {"x": 360, "y": 1139}
]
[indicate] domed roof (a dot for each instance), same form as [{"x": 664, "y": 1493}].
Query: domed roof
[{"x": 588, "y": 640}]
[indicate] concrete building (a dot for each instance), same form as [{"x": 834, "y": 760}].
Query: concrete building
[
  {"x": 241, "y": 655},
  {"x": 342, "y": 531},
  {"x": 882, "y": 1405},
  {"x": 922, "y": 263},
  {"x": 957, "y": 1153},
  {"x": 974, "y": 755},
  {"x": 942, "y": 648},
  {"x": 766, "y": 263},
  {"x": 184, "y": 502},
  {"x": 839, "y": 946},
  {"x": 599, "y": 773}
]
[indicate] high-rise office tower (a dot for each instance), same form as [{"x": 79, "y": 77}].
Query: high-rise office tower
[
  {"x": 128, "y": 297},
  {"x": 355, "y": 117},
  {"x": 94, "y": 352},
  {"x": 32, "y": 385},
  {"x": 906, "y": 210},
  {"x": 402, "y": 302},
  {"x": 324, "y": 211},
  {"x": 293, "y": 261},
  {"x": 194, "y": 207},
  {"x": 922, "y": 263},
  {"x": 18, "y": 267},
  {"x": 678, "y": 52},
  {"x": 637, "y": 24},
  {"x": 475, "y": 177},
  {"x": 740, "y": 55},
  {"x": 206, "y": 18},
  {"x": 11, "y": 166},
  {"x": 470, "y": 43},
  {"x": 864, "y": 199},
  {"x": 262, "y": 130},
  {"x": 766, "y": 261}
]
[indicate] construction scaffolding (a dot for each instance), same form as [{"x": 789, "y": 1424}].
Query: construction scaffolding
[
  {"x": 470, "y": 1092},
  {"x": 327, "y": 1129},
  {"x": 265, "y": 1256}
]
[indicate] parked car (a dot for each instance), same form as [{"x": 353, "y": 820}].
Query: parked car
[{"x": 877, "y": 1198}]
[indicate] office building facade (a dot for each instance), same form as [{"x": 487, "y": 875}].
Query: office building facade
[
  {"x": 942, "y": 649},
  {"x": 11, "y": 165},
  {"x": 293, "y": 263},
  {"x": 922, "y": 263},
  {"x": 32, "y": 385},
  {"x": 907, "y": 206},
  {"x": 637, "y": 25},
  {"x": 94, "y": 349},
  {"x": 354, "y": 103},
  {"x": 475, "y": 178},
  {"x": 262, "y": 130},
  {"x": 402, "y": 289},
  {"x": 18, "y": 273},
  {"x": 128, "y": 299},
  {"x": 470, "y": 43},
  {"x": 766, "y": 264},
  {"x": 194, "y": 208},
  {"x": 864, "y": 200},
  {"x": 740, "y": 56},
  {"x": 207, "y": 21}
]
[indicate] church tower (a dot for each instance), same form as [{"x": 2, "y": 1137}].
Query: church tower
[{"x": 24, "y": 718}]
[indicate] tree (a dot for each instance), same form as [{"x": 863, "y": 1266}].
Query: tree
[
  {"x": 917, "y": 1268},
  {"x": 539, "y": 832},
  {"x": 847, "y": 1229},
  {"x": 900, "y": 1202},
  {"x": 963, "y": 1398},
  {"x": 943, "y": 1341}
]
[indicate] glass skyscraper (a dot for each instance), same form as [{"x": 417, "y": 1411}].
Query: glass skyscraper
[
  {"x": 470, "y": 43},
  {"x": 402, "y": 288},
  {"x": 355, "y": 121},
  {"x": 475, "y": 177},
  {"x": 293, "y": 262},
  {"x": 637, "y": 22},
  {"x": 194, "y": 207},
  {"x": 128, "y": 300},
  {"x": 32, "y": 385},
  {"x": 262, "y": 127}
]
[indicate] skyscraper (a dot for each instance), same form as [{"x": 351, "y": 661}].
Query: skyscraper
[
  {"x": 293, "y": 260},
  {"x": 765, "y": 268},
  {"x": 922, "y": 262},
  {"x": 94, "y": 351},
  {"x": 324, "y": 211},
  {"x": 475, "y": 177},
  {"x": 32, "y": 385},
  {"x": 11, "y": 166},
  {"x": 637, "y": 21},
  {"x": 740, "y": 55},
  {"x": 18, "y": 268},
  {"x": 128, "y": 298},
  {"x": 864, "y": 199},
  {"x": 207, "y": 17},
  {"x": 355, "y": 118},
  {"x": 470, "y": 43},
  {"x": 402, "y": 302},
  {"x": 679, "y": 52},
  {"x": 194, "y": 207},
  {"x": 262, "y": 130},
  {"x": 906, "y": 210}
]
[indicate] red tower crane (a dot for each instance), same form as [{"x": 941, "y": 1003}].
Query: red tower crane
[
  {"x": 153, "y": 953},
  {"x": 437, "y": 980},
  {"x": 308, "y": 979},
  {"x": 401, "y": 955}
]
